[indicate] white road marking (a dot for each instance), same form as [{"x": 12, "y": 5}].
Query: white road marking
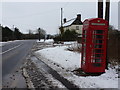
[{"x": 11, "y": 49}]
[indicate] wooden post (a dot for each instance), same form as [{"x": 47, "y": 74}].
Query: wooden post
[
  {"x": 39, "y": 33},
  {"x": 100, "y": 8},
  {"x": 107, "y": 13},
  {"x": 107, "y": 10}
]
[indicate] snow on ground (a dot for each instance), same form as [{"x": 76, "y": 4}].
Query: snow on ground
[
  {"x": 62, "y": 57},
  {"x": 70, "y": 43},
  {"x": 70, "y": 61},
  {"x": 47, "y": 75},
  {"x": 46, "y": 41},
  {"x": 106, "y": 80},
  {"x": 4, "y": 43}
]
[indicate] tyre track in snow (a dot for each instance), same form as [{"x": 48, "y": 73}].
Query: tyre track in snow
[
  {"x": 69, "y": 85},
  {"x": 54, "y": 73}
]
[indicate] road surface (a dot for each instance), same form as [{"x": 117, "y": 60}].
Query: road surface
[{"x": 13, "y": 56}]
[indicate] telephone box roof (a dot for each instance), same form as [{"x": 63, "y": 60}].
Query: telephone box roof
[{"x": 91, "y": 19}]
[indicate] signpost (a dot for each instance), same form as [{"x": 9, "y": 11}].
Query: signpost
[{"x": 39, "y": 33}]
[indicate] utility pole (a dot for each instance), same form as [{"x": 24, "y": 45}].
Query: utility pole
[
  {"x": 100, "y": 8},
  {"x": 107, "y": 13},
  {"x": 107, "y": 10},
  {"x": 61, "y": 16},
  {"x": 61, "y": 27},
  {"x": 13, "y": 32},
  {"x": 39, "y": 33}
]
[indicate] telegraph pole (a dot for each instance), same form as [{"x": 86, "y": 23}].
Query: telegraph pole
[
  {"x": 107, "y": 15},
  {"x": 39, "y": 33},
  {"x": 107, "y": 10},
  {"x": 61, "y": 16},
  {"x": 13, "y": 33},
  {"x": 100, "y": 8},
  {"x": 61, "y": 27}
]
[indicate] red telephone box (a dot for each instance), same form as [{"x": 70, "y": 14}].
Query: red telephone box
[{"x": 94, "y": 42}]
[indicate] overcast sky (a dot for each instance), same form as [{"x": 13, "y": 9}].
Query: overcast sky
[{"x": 46, "y": 15}]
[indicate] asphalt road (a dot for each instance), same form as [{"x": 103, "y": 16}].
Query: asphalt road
[{"x": 13, "y": 56}]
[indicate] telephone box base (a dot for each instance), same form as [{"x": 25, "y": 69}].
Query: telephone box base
[{"x": 80, "y": 72}]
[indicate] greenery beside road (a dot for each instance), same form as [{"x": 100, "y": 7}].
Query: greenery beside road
[
  {"x": 8, "y": 34},
  {"x": 66, "y": 36}
]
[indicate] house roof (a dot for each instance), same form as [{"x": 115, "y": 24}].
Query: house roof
[
  {"x": 77, "y": 22},
  {"x": 74, "y": 21},
  {"x": 68, "y": 23}
]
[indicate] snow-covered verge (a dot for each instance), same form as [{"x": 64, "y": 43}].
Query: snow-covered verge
[
  {"x": 64, "y": 61},
  {"x": 62, "y": 57},
  {"x": 4, "y": 43},
  {"x": 46, "y": 41}
]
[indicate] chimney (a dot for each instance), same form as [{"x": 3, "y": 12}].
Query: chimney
[
  {"x": 79, "y": 17},
  {"x": 64, "y": 20}
]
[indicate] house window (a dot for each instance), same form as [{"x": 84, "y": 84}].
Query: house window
[{"x": 77, "y": 27}]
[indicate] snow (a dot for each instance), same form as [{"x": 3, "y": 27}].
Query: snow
[
  {"x": 106, "y": 80},
  {"x": 46, "y": 41},
  {"x": 70, "y": 61},
  {"x": 68, "y": 23},
  {"x": 54, "y": 81},
  {"x": 69, "y": 43},
  {"x": 4, "y": 43}
]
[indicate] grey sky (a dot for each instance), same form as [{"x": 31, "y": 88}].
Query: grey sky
[
  {"x": 46, "y": 15},
  {"x": 119, "y": 15}
]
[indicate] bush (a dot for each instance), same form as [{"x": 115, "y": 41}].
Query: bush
[
  {"x": 57, "y": 38},
  {"x": 66, "y": 36},
  {"x": 69, "y": 35}
]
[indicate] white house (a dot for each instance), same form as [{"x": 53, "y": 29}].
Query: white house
[{"x": 74, "y": 24}]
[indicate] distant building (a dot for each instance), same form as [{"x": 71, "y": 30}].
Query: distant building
[{"x": 74, "y": 24}]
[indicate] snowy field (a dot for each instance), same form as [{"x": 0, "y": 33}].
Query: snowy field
[{"x": 70, "y": 61}]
